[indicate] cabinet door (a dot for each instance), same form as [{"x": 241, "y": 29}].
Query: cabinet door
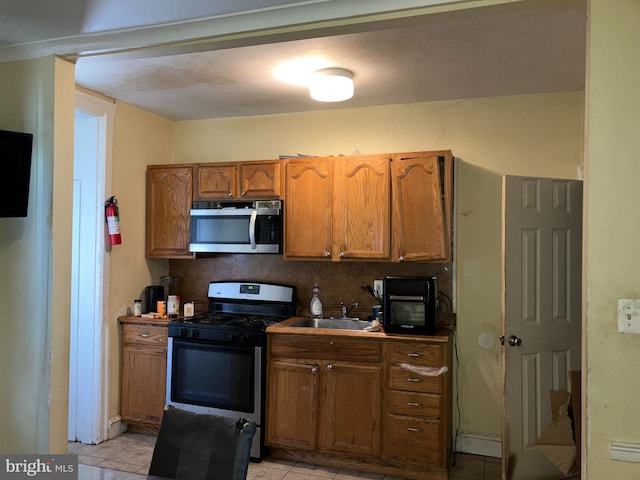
[
  {"x": 419, "y": 229},
  {"x": 216, "y": 181},
  {"x": 144, "y": 372},
  {"x": 260, "y": 179},
  {"x": 309, "y": 203},
  {"x": 351, "y": 412},
  {"x": 169, "y": 197},
  {"x": 292, "y": 412},
  {"x": 362, "y": 197}
]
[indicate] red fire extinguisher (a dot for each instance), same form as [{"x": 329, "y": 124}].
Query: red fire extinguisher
[{"x": 113, "y": 221}]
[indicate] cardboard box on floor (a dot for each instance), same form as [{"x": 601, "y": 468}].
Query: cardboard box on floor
[{"x": 560, "y": 441}]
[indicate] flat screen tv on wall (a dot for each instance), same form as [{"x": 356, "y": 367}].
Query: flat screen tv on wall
[{"x": 15, "y": 165}]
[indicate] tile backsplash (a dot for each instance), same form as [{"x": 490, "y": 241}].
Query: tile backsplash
[{"x": 338, "y": 281}]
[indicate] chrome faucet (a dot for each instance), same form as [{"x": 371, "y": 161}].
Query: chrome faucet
[{"x": 345, "y": 310}]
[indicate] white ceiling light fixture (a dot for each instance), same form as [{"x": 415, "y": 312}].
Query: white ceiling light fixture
[{"x": 331, "y": 85}]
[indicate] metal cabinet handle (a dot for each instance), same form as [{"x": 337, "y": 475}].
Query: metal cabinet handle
[
  {"x": 341, "y": 254},
  {"x": 230, "y": 194},
  {"x": 413, "y": 354},
  {"x": 242, "y": 194},
  {"x": 415, "y": 380},
  {"x": 145, "y": 335},
  {"x": 327, "y": 254},
  {"x": 414, "y": 404},
  {"x": 401, "y": 259},
  {"x": 329, "y": 367},
  {"x": 414, "y": 429},
  {"x": 314, "y": 370}
]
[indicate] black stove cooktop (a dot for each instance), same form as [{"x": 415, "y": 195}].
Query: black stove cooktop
[
  {"x": 239, "y": 313},
  {"x": 232, "y": 320}
]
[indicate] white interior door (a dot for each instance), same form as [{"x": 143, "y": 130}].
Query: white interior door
[{"x": 542, "y": 268}]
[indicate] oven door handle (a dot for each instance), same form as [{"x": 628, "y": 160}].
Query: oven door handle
[
  {"x": 252, "y": 229},
  {"x": 407, "y": 298}
]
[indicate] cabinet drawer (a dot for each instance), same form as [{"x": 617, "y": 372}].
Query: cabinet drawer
[
  {"x": 413, "y": 440},
  {"x": 415, "y": 404},
  {"x": 326, "y": 348},
  {"x": 149, "y": 335},
  {"x": 401, "y": 379},
  {"x": 415, "y": 353}
]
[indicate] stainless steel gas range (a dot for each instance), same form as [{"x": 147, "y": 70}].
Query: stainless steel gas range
[{"x": 216, "y": 361}]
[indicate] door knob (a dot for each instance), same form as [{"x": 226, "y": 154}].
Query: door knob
[{"x": 512, "y": 340}]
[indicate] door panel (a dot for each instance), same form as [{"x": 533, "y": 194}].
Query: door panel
[{"x": 542, "y": 260}]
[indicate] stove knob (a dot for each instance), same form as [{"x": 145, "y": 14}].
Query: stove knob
[
  {"x": 184, "y": 332},
  {"x": 244, "y": 338},
  {"x": 233, "y": 337},
  {"x": 195, "y": 333}
]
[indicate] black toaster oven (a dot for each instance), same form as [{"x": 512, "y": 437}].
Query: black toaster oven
[{"x": 410, "y": 305}]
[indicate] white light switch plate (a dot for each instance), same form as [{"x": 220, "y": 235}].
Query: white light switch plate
[{"x": 628, "y": 315}]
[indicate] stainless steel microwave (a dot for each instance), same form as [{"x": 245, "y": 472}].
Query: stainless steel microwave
[
  {"x": 410, "y": 305},
  {"x": 236, "y": 226}
]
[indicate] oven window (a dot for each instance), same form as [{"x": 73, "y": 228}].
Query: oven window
[
  {"x": 211, "y": 375},
  {"x": 407, "y": 313}
]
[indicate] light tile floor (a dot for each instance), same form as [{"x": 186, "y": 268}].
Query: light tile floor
[{"x": 127, "y": 457}]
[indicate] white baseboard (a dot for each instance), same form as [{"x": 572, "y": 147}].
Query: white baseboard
[
  {"x": 116, "y": 427},
  {"x": 475, "y": 443},
  {"x": 628, "y": 452}
]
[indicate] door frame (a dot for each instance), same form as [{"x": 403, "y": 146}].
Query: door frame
[{"x": 89, "y": 339}]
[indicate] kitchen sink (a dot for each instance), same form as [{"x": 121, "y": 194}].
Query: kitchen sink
[{"x": 332, "y": 323}]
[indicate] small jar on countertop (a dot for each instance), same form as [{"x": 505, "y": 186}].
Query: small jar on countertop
[{"x": 137, "y": 307}]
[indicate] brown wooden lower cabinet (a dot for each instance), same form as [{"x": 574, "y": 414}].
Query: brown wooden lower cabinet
[
  {"x": 144, "y": 373},
  {"x": 346, "y": 402}
]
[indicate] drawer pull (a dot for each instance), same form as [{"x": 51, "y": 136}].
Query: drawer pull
[
  {"x": 145, "y": 335},
  {"x": 413, "y": 354},
  {"x": 415, "y": 380},
  {"x": 414, "y": 429},
  {"x": 415, "y": 404}
]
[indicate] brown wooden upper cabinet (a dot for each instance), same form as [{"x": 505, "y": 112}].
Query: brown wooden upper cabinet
[
  {"x": 218, "y": 181},
  {"x": 422, "y": 186},
  {"x": 169, "y": 196},
  {"x": 338, "y": 208}
]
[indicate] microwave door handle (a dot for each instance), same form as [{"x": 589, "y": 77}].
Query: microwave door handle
[{"x": 252, "y": 229}]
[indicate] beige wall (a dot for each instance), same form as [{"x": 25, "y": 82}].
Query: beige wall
[
  {"x": 34, "y": 284},
  {"x": 523, "y": 135},
  {"x": 64, "y": 94},
  {"x": 612, "y": 230},
  {"x": 139, "y": 139}
]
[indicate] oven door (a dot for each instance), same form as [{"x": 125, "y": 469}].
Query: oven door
[
  {"x": 223, "y": 379},
  {"x": 218, "y": 379}
]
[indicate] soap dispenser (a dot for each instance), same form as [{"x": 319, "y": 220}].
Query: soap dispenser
[{"x": 316, "y": 304}]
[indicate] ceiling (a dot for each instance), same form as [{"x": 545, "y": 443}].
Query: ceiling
[{"x": 218, "y": 59}]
